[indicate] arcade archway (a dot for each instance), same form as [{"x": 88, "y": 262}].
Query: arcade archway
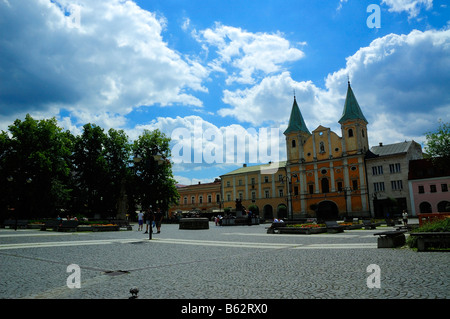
[{"x": 327, "y": 210}]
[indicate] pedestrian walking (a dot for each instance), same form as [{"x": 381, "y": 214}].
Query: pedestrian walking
[
  {"x": 149, "y": 217},
  {"x": 405, "y": 218},
  {"x": 158, "y": 219},
  {"x": 140, "y": 221}
]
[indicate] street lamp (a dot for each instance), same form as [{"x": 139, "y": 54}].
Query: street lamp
[
  {"x": 160, "y": 161},
  {"x": 288, "y": 179},
  {"x": 345, "y": 190}
]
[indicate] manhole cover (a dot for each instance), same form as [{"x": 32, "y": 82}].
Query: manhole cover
[{"x": 116, "y": 272}]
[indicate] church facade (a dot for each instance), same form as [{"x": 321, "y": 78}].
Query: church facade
[
  {"x": 324, "y": 175},
  {"x": 327, "y": 172}
]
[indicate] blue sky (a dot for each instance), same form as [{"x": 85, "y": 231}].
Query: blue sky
[{"x": 229, "y": 67}]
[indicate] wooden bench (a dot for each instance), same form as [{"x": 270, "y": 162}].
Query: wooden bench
[
  {"x": 52, "y": 224},
  {"x": 13, "y": 223},
  {"x": 427, "y": 240},
  {"x": 68, "y": 225},
  {"x": 391, "y": 239},
  {"x": 368, "y": 224},
  {"x": 334, "y": 227},
  {"x": 274, "y": 227}
]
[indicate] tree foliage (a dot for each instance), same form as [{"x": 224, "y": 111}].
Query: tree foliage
[
  {"x": 45, "y": 170},
  {"x": 438, "y": 144}
]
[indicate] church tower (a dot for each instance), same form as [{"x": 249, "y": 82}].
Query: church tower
[
  {"x": 296, "y": 135},
  {"x": 353, "y": 126}
]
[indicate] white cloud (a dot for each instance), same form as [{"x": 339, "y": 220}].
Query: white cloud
[
  {"x": 248, "y": 54},
  {"x": 400, "y": 82},
  {"x": 412, "y": 7},
  {"x": 114, "y": 61}
]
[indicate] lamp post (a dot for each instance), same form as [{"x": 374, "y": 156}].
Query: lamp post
[
  {"x": 346, "y": 190},
  {"x": 160, "y": 161},
  {"x": 288, "y": 179}
]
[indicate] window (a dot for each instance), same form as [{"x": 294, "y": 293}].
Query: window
[
  {"x": 394, "y": 168},
  {"x": 209, "y": 198},
  {"x": 295, "y": 190},
  {"x": 240, "y": 195},
  {"x": 200, "y": 199},
  {"x": 217, "y": 198},
  {"x": 350, "y": 133},
  {"x": 240, "y": 182},
  {"x": 355, "y": 184},
  {"x": 311, "y": 188},
  {"x": 253, "y": 181},
  {"x": 280, "y": 178},
  {"x": 421, "y": 189},
  {"x": 266, "y": 179},
  {"x": 267, "y": 194},
  {"x": 339, "y": 186},
  {"x": 433, "y": 188},
  {"x": 228, "y": 197},
  {"x": 377, "y": 170},
  {"x": 228, "y": 183},
  {"x": 280, "y": 193},
  {"x": 293, "y": 143},
  {"x": 397, "y": 185},
  {"x": 253, "y": 195},
  {"x": 378, "y": 187},
  {"x": 325, "y": 185},
  {"x": 185, "y": 200},
  {"x": 193, "y": 200},
  {"x": 444, "y": 187}
]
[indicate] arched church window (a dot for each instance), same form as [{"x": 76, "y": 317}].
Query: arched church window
[
  {"x": 325, "y": 185},
  {"x": 350, "y": 133}
]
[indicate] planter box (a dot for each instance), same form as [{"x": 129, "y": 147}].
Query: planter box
[
  {"x": 194, "y": 223},
  {"x": 301, "y": 230},
  {"x": 105, "y": 228}
]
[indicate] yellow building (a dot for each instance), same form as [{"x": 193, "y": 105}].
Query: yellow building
[
  {"x": 324, "y": 175},
  {"x": 329, "y": 170},
  {"x": 201, "y": 198},
  {"x": 260, "y": 185}
]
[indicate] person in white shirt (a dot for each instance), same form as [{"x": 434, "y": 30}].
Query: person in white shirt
[
  {"x": 140, "y": 221},
  {"x": 405, "y": 218}
]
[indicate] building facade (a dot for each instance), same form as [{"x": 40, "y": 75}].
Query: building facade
[
  {"x": 429, "y": 185},
  {"x": 387, "y": 174},
  {"x": 259, "y": 185},
  {"x": 326, "y": 172},
  {"x": 324, "y": 175},
  {"x": 201, "y": 197}
]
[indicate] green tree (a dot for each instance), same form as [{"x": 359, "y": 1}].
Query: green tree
[
  {"x": 90, "y": 170},
  {"x": 117, "y": 155},
  {"x": 438, "y": 144},
  {"x": 154, "y": 182},
  {"x": 34, "y": 167}
]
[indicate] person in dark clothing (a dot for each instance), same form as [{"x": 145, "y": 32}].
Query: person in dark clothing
[{"x": 158, "y": 219}]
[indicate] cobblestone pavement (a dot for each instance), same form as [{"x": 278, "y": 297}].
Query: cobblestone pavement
[{"x": 219, "y": 263}]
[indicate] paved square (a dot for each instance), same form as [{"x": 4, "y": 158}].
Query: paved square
[{"x": 217, "y": 263}]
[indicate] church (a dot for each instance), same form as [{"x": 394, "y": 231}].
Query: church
[{"x": 326, "y": 172}]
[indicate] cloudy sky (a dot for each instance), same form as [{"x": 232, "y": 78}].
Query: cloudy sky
[{"x": 208, "y": 71}]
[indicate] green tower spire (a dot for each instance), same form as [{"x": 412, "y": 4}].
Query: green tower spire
[
  {"x": 296, "y": 122},
  {"x": 352, "y": 111}
]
